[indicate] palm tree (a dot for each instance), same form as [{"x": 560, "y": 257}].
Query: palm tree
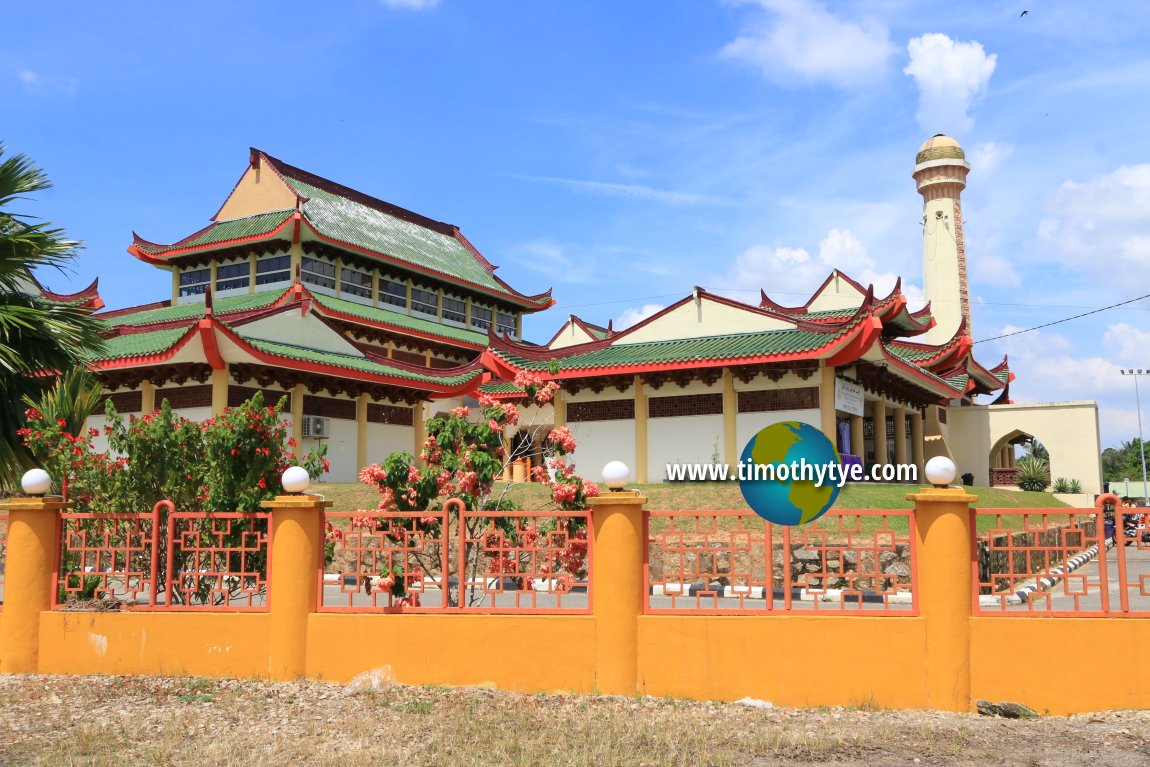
[{"x": 38, "y": 338}]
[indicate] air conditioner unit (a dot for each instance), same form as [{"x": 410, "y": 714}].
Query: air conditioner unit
[{"x": 314, "y": 426}]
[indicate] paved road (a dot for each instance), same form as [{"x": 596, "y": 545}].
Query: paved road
[{"x": 1082, "y": 590}]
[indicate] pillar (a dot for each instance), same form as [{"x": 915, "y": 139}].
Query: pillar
[
  {"x": 252, "y": 273},
  {"x": 361, "y": 403},
  {"x": 731, "y": 451},
  {"x": 858, "y": 441},
  {"x": 827, "y": 403},
  {"x": 640, "y": 432},
  {"x": 28, "y": 581},
  {"x": 617, "y": 585},
  {"x": 297, "y": 394},
  {"x": 879, "y": 417},
  {"x": 219, "y": 391},
  {"x": 900, "y": 435},
  {"x": 147, "y": 397},
  {"x": 175, "y": 285},
  {"x": 916, "y": 443},
  {"x": 943, "y": 591},
  {"x": 419, "y": 433},
  {"x": 293, "y": 589},
  {"x": 560, "y": 406},
  {"x": 295, "y": 254}
]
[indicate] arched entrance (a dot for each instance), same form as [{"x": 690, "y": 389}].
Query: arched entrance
[{"x": 1003, "y": 456}]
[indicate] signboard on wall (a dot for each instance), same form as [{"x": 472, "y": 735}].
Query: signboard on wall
[{"x": 848, "y": 396}]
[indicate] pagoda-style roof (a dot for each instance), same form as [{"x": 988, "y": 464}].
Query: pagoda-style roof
[
  {"x": 324, "y": 211},
  {"x": 87, "y": 298},
  {"x": 577, "y": 330},
  {"x": 265, "y": 330},
  {"x": 842, "y": 324}
]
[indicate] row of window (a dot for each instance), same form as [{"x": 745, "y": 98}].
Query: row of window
[{"x": 314, "y": 271}]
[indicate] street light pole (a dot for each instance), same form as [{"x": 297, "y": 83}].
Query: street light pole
[{"x": 1141, "y": 443}]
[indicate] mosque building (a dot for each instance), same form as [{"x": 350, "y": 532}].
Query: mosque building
[{"x": 370, "y": 319}]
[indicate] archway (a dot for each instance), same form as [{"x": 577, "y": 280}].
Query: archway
[{"x": 1002, "y": 457}]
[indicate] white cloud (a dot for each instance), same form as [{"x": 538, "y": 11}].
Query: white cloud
[
  {"x": 631, "y": 191},
  {"x": 765, "y": 267},
  {"x": 1128, "y": 343},
  {"x": 551, "y": 258},
  {"x": 950, "y": 75},
  {"x": 36, "y": 83},
  {"x": 801, "y": 38},
  {"x": 634, "y": 316},
  {"x": 985, "y": 158},
  {"x": 415, "y": 5},
  {"x": 1103, "y": 220},
  {"x": 989, "y": 269}
]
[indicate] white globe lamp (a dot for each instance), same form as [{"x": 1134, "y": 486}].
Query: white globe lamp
[
  {"x": 295, "y": 479},
  {"x": 36, "y": 482},
  {"x": 940, "y": 471},
  {"x": 616, "y": 475}
]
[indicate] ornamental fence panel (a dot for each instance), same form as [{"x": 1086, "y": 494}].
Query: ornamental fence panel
[
  {"x": 734, "y": 562},
  {"x": 162, "y": 560},
  {"x": 1061, "y": 563},
  {"x": 457, "y": 560}
]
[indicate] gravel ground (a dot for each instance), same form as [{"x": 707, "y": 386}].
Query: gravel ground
[{"x": 188, "y": 721}]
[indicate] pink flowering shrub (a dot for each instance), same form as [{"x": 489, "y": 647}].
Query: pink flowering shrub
[{"x": 462, "y": 459}]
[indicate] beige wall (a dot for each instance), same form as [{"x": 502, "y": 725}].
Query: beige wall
[
  {"x": 706, "y": 317},
  {"x": 258, "y": 191},
  {"x": 683, "y": 439},
  {"x": 1069, "y": 430}
]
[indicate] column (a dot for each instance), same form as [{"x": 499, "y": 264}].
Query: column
[
  {"x": 944, "y": 592},
  {"x": 147, "y": 397},
  {"x": 916, "y": 443},
  {"x": 640, "y": 432},
  {"x": 338, "y": 276},
  {"x": 617, "y": 519},
  {"x": 879, "y": 417},
  {"x": 375, "y": 287},
  {"x": 858, "y": 442},
  {"x": 900, "y": 435},
  {"x": 827, "y": 403},
  {"x": 293, "y": 586},
  {"x": 730, "y": 420},
  {"x": 219, "y": 391},
  {"x": 361, "y": 403},
  {"x": 296, "y": 259},
  {"x": 251, "y": 273},
  {"x": 28, "y": 581},
  {"x": 560, "y": 406},
  {"x": 419, "y": 433},
  {"x": 297, "y": 393},
  {"x": 175, "y": 285}
]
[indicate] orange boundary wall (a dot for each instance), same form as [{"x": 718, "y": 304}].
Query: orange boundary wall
[{"x": 943, "y": 658}]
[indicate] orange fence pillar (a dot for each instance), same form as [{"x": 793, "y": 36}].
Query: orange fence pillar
[
  {"x": 28, "y": 585},
  {"x": 617, "y": 589},
  {"x": 293, "y": 579},
  {"x": 943, "y": 520}
]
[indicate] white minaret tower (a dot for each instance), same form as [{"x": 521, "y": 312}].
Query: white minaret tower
[{"x": 940, "y": 170}]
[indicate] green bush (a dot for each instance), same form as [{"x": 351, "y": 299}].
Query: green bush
[
  {"x": 1033, "y": 473},
  {"x": 1064, "y": 485}
]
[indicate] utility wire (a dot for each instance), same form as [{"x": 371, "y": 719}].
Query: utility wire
[{"x": 1064, "y": 319}]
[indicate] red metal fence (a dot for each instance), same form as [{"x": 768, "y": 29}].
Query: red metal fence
[
  {"x": 1061, "y": 562},
  {"x": 162, "y": 560},
  {"x": 735, "y": 562},
  {"x": 454, "y": 559}
]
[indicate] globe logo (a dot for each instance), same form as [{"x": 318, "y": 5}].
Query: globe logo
[{"x": 774, "y": 494}]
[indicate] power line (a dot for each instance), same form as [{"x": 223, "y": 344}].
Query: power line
[{"x": 1064, "y": 319}]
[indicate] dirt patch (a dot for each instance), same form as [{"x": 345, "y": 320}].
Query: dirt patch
[{"x": 130, "y": 721}]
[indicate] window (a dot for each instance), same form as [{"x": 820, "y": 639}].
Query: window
[
  {"x": 424, "y": 301},
  {"x": 394, "y": 293},
  {"x": 480, "y": 317},
  {"x": 505, "y": 323},
  {"x": 316, "y": 272},
  {"x": 233, "y": 276},
  {"x": 354, "y": 283},
  {"x": 454, "y": 310},
  {"x": 275, "y": 269},
  {"x": 195, "y": 282}
]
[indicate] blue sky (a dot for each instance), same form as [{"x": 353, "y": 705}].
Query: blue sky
[{"x": 623, "y": 152}]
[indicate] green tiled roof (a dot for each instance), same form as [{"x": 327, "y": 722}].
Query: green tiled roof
[
  {"x": 353, "y": 362},
  {"x": 400, "y": 320},
  {"x": 195, "y": 310},
  {"x": 775, "y": 342},
  {"x": 353, "y": 222},
  {"x": 1002, "y": 375},
  {"x": 235, "y": 229},
  {"x": 139, "y": 344},
  {"x": 910, "y": 353},
  {"x": 500, "y": 387}
]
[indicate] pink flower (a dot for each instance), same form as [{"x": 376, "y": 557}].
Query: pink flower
[
  {"x": 461, "y": 412},
  {"x": 494, "y": 426},
  {"x": 562, "y": 439}
]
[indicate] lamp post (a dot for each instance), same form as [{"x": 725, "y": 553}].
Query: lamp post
[{"x": 1141, "y": 444}]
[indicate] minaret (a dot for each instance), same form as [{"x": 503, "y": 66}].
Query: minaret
[{"x": 940, "y": 170}]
